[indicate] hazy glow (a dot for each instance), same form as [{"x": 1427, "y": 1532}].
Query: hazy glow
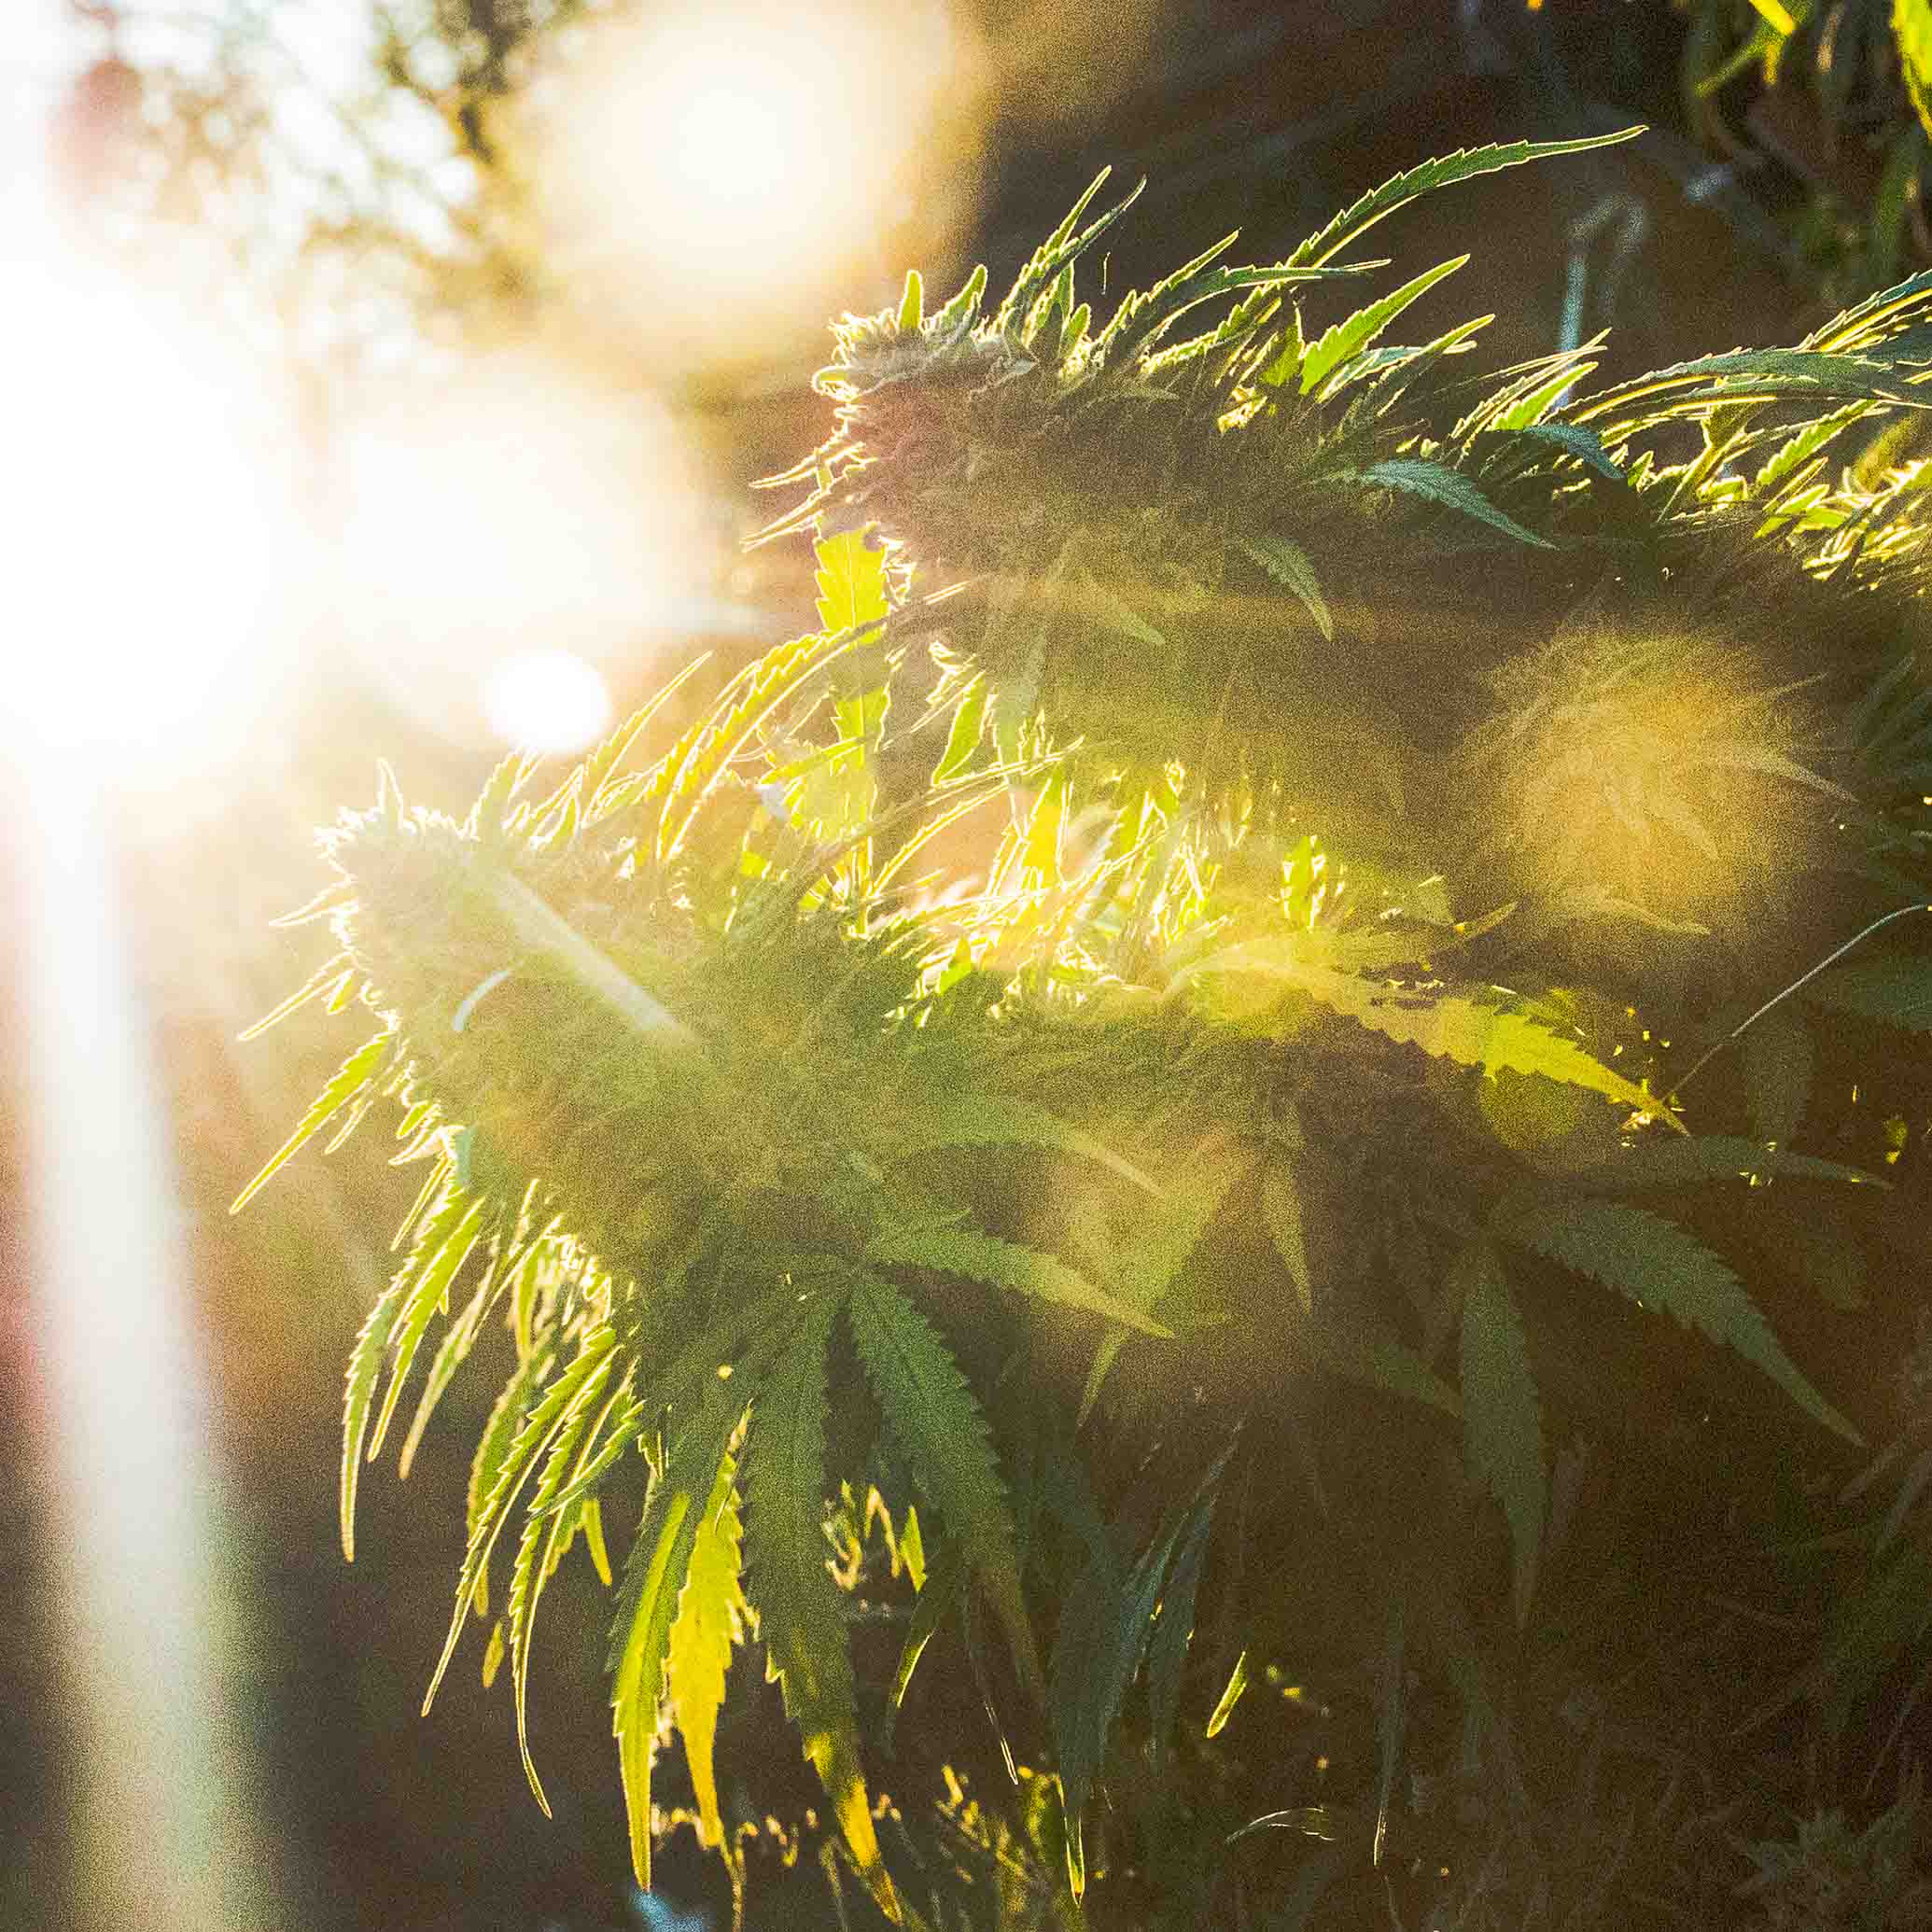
[
  {"x": 724, "y": 166},
  {"x": 138, "y": 598},
  {"x": 505, "y": 511},
  {"x": 547, "y": 700}
]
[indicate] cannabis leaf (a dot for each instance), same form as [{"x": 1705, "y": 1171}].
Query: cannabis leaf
[
  {"x": 365, "y": 1365},
  {"x": 710, "y": 1621},
  {"x": 801, "y": 1619},
  {"x": 940, "y": 1434},
  {"x": 1502, "y": 1423},
  {"x": 1334, "y": 348},
  {"x": 1897, "y": 989},
  {"x": 1442, "y": 172},
  {"x": 654, "y": 1576},
  {"x": 349, "y": 1082},
  {"x": 982, "y": 1257},
  {"x": 1650, "y": 1259},
  {"x": 1435, "y": 482}
]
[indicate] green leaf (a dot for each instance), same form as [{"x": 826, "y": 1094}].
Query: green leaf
[
  {"x": 982, "y": 1257},
  {"x": 1501, "y": 1419},
  {"x": 801, "y": 1616},
  {"x": 654, "y": 1575},
  {"x": 326, "y": 980},
  {"x": 1652, "y": 1260},
  {"x": 1777, "y": 1055},
  {"x": 1444, "y": 170},
  {"x": 962, "y": 739},
  {"x": 1897, "y": 989},
  {"x": 1335, "y": 346},
  {"x": 506, "y": 1422},
  {"x": 1003, "y": 1120},
  {"x": 941, "y": 1434},
  {"x": 538, "y": 1429},
  {"x": 1280, "y": 1209},
  {"x": 365, "y": 1365},
  {"x": 355, "y": 1073},
  {"x": 1381, "y": 1362},
  {"x": 444, "y": 1248},
  {"x": 1585, "y": 445},
  {"x": 1468, "y": 1031},
  {"x": 956, "y": 317},
  {"x": 450, "y": 1356},
  {"x": 1224, "y": 1710},
  {"x": 1911, "y": 29},
  {"x": 537, "y": 1547},
  {"x": 1436, "y": 483},
  {"x": 1173, "y": 1631},
  {"x": 944, "y": 1589},
  {"x": 1060, "y": 250},
  {"x": 1104, "y": 1627},
  {"x": 1656, "y": 1163},
  {"x": 851, "y": 580},
  {"x": 1288, "y": 564},
  {"x": 912, "y": 303},
  {"x": 711, "y": 1612},
  {"x": 1741, "y": 376}
]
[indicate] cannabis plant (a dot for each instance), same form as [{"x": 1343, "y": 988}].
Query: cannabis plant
[{"x": 1403, "y": 776}]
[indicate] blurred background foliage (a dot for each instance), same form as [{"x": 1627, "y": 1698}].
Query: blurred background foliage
[{"x": 523, "y": 340}]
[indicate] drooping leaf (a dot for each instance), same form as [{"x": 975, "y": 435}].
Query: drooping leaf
[
  {"x": 1173, "y": 1629},
  {"x": 445, "y": 1246},
  {"x": 711, "y": 1622},
  {"x": 506, "y": 1421},
  {"x": 1656, "y": 1263},
  {"x": 1435, "y": 482},
  {"x": 982, "y": 1257},
  {"x": 1502, "y": 1419},
  {"x": 941, "y": 1434},
  {"x": 654, "y": 1575},
  {"x": 1897, "y": 989},
  {"x": 1103, "y": 1631},
  {"x": 365, "y": 1365},
  {"x": 536, "y": 1547},
  {"x": 1378, "y": 1361},
  {"x": 1280, "y": 1209},
  {"x": 943, "y": 1591},
  {"x": 1287, "y": 562},
  {"x": 801, "y": 1613},
  {"x": 346, "y": 1085},
  {"x": 1585, "y": 445},
  {"x": 1004, "y": 1120},
  {"x": 1689, "y": 1161},
  {"x": 538, "y": 1430},
  {"x": 1776, "y": 1055}
]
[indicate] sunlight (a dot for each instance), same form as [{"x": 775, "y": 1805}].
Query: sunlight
[
  {"x": 723, "y": 168},
  {"x": 507, "y": 535},
  {"x": 141, "y": 602},
  {"x": 146, "y": 549},
  {"x": 547, "y": 700}
]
